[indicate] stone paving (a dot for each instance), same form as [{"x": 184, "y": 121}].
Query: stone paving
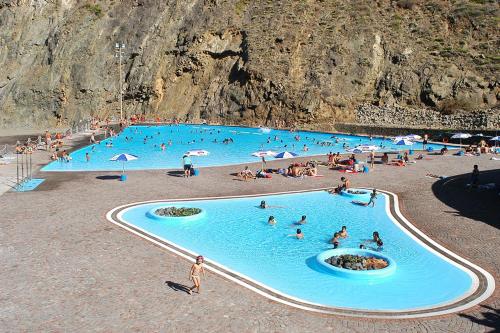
[{"x": 66, "y": 268}]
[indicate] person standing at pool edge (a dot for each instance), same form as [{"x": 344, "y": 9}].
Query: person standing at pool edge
[
  {"x": 186, "y": 161},
  {"x": 195, "y": 274}
]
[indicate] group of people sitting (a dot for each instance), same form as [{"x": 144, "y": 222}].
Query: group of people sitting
[{"x": 294, "y": 170}]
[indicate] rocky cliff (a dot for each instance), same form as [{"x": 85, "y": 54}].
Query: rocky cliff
[{"x": 308, "y": 62}]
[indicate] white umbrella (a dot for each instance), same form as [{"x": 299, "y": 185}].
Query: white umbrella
[
  {"x": 367, "y": 147},
  {"x": 413, "y": 137},
  {"x": 197, "y": 152},
  {"x": 495, "y": 138},
  {"x": 357, "y": 151},
  {"x": 123, "y": 158},
  {"x": 263, "y": 153},
  {"x": 461, "y": 136}
]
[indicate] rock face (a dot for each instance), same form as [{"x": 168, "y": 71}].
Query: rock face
[
  {"x": 404, "y": 117},
  {"x": 307, "y": 63}
]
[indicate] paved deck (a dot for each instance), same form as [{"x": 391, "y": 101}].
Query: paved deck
[{"x": 66, "y": 268}]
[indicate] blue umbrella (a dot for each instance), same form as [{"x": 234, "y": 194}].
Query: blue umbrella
[
  {"x": 403, "y": 142},
  {"x": 123, "y": 158},
  {"x": 285, "y": 154}
]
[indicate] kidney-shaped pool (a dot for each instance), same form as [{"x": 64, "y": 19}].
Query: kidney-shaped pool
[{"x": 234, "y": 233}]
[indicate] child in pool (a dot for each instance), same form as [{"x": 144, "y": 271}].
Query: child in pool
[
  {"x": 343, "y": 233},
  {"x": 302, "y": 220},
  {"x": 299, "y": 234},
  {"x": 271, "y": 220},
  {"x": 195, "y": 274},
  {"x": 335, "y": 240}
]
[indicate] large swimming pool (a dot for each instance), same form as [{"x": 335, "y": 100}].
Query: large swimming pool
[
  {"x": 145, "y": 142},
  {"x": 245, "y": 243}
]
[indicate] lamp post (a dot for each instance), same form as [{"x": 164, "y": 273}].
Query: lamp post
[{"x": 119, "y": 50}]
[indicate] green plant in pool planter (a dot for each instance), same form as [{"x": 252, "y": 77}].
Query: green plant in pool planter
[{"x": 177, "y": 212}]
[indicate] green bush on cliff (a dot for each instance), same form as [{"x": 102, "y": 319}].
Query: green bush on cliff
[{"x": 94, "y": 9}]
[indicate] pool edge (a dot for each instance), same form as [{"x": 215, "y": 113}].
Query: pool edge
[{"x": 477, "y": 294}]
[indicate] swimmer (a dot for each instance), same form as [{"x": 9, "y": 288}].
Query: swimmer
[
  {"x": 271, "y": 220},
  {"x": 335, "y": 240},
  {"x": 163, "y": 147},
  {"x": 362, "y": 247},
  {"x": 343, "y": 233},
  {"x": 263, "y": 205},
  {"x": 299, "y": 234},
  {"x": 302, "y": 220},
  {"x": 87, "y": 157}
]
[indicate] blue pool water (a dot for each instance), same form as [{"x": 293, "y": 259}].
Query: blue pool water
[
  {"x": 245, "y": 243},
  {"x": 246, "y": 141}
]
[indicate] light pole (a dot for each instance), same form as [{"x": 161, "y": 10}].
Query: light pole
[{"x": 119, "y": 50}]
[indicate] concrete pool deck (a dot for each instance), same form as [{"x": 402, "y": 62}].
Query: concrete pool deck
[{"x": 68, "y": 269}]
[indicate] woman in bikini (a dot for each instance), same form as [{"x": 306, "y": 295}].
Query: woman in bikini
[{"x": 195, "y": 274}]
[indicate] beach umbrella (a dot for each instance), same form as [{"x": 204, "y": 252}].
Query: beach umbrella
[
  {"x": 461, "y": 136},
  {"x": 357, "y": 151},
  {"x": 263, "y": 153},
  {"x": 123, "y": 158},
  {"x": 285, "y": 154},
  {"x": 413, "y": 137},
  {"x": 403, "y": 142},
  {"x": 197, "y": 152}
]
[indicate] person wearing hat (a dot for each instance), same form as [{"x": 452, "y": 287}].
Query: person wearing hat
[{"x": 195, "y": 274}]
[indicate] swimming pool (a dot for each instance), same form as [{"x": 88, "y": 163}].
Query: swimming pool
[
  {"x": 248, "y": 246},
  {"x": 210, "y": 138}
]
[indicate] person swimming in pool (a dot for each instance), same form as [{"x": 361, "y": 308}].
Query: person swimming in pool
[
  {"x": 343, "y": 233},
  {"x": 271, "y": 220},
  {"x": 298, "y": 235},
  {"x": 302, "y": 220},
  {"x": 263, "y": 205},
  {"x": 335, "y": 240}
]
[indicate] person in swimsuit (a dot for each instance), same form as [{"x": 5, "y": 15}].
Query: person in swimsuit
[
  {"x": 195, "y": 274},
  {"x": 302, "y": 220},
  {"x": 335, "y": 240},
  {"x": 343, "y": 233},
  {"x": 271, "y": 220},
  {"x": 299, "y": 234},
  {"x": 263, "y": 204}
]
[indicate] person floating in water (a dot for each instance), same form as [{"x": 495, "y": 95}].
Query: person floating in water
[
  {"x": 335, "y": 240},
  {"x": 263, "y": 205},
  {"x": 343, "y": 233},
  {"x": 298, "y": 235},
  {"x": 195, "y": 274},
  {"x": 302, "y": 220},
  {"x": 271, "y": 220}
]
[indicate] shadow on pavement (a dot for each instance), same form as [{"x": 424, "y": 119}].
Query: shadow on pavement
[
  {"x": 176, "y": 173},
  {"x": 108, "y": 177},
  {"x": 477, "y": 204},
  {"x": 177, "y": 286},
  {"x": 491, "y": 318}
]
